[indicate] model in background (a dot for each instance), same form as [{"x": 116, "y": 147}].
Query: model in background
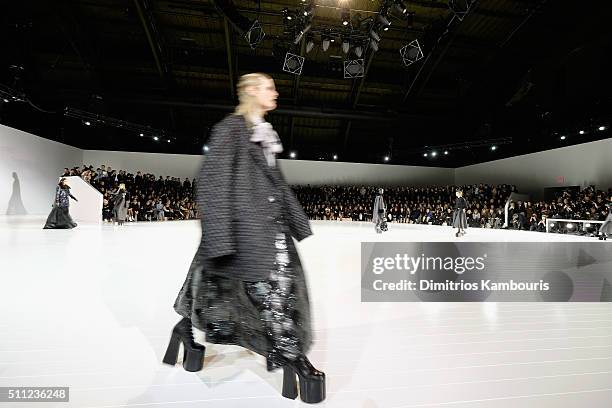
[
  {"x": 379, "y": 214},
  {"x": 459, "y": 218},
  {"x": 60, "y": 218},
  {"x": 604, "y": 230},
  {"x": 120, "y": 205},
  {"x": 246, "y": 285}
]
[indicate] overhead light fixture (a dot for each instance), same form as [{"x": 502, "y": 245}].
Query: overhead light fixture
[
  {"x": 300, "y": 35},
  {"x": 308, "y": 10},
  {"x": 373, "y": 45},
  {"x": 601, "y": 128},
  {"x": 358, "y": 51},
  {"x": 446, "y": 152},
  {"x": 386, "y": 158},
  {"x": 384, "y": 21},
  {"x": 142, "y": 134},
  {"x": 424, "y": 154},
  {"x": 206, "y": 148},
  {"x": 374, "y": 35},
  {"x": 562, "y": 137},
  {"x": 335, "y": 157},
  {"x": 87, "y": 123},
  {"x": 493, "y": 147},
  {"x": 292, "y": 155},
  {"x": 155, "y": 138},
  {"x": 399, "y": 5},
  {"x": 346, "y": 17},
  {"x": 386, "y": 28},
  {"x": 168, "y": 140},
  {"x": 581, "y": 132},
  {"x": 434, "y": 154}
]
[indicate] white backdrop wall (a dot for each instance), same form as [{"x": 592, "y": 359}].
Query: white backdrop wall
[
  {"x": 36, "y": 163},
  {"x": 579, "y": 165}
]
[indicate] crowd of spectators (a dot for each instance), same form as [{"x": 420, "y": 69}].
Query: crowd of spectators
[
  {"x": 158, "y": 198},
  {"x": 414, "y": 205},
  {"x": 150, "y": 198}
]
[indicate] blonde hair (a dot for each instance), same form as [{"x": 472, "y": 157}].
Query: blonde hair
[
  {"x": 246, "y": 103},
  {"x": 122, "y": 186}
]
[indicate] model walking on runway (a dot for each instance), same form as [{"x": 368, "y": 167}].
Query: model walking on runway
[
  {"x": 380, "y": 213},
  {"x": 246, "y": 285},
  {"x": 60, "y": 218},
  {"x": 459, "y": 218},
  {"x": 605, "y": 227}
]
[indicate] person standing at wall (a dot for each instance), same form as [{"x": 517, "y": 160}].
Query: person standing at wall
[
  {"x": 60, "y": 218},
  {"x": 246, "y": 285}
]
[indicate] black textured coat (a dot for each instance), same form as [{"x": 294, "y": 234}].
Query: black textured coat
[{"x": 242, "y": 201}]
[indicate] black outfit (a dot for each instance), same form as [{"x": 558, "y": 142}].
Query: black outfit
[
  {"x": 245, "y": 285},
  {"x": 605, "y": 227},
  {"x": 459, "y": 218},
  {"x": 60, "y": 218}
]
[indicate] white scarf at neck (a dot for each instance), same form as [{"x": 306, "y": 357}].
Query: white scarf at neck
[{"x": 264, "y": 133}]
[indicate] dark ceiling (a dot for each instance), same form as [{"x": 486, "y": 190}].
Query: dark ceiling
[{"x": 516, "y": 73}]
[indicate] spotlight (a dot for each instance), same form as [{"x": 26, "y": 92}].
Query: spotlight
[
  {"x": 292, "y": 155},
  {"x": 308, "y": 10},
  {"x": 142, "y": 134},
  {"x": 6, "y": 100},
  {"x": 155, "y": 138},
  {"x": 374, "y": 35},
  {"x": 87, "y": 123},
  {"x": 386, "y": 28},
  {"x": 386, "y": 158},
  {"x": 346, "y": 45},
  {"x": 335, "y": 157},
  {"x": 601, "y": 128},
  {"x": 384, "y": 21},
  {"x": 358, "y": 51},
  {"x": 168, "y": 140},
  {"x": 562, "y": 137},
  {"x": 493, "y": 147},
  {"x": 325, "y": 43},
  {"x": 346, "y": 17},
  {"x": 425, "y": 154},
  {"x": 399, "y": 5},
  {"x": 582, "y": 132},
  {"x": 446, "y": 152},
  {"x": 434, "y": 154},
  {"x": 309, "y": 45},
  {"x": 206, "y": 148}
]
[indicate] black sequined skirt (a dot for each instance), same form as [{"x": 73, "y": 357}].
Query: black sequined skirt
[{"x": 271, "y": 317}]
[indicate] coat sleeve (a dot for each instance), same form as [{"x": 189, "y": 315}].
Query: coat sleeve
[
  {"x": 298, "y": 221},
  {"x": 215, "y": 194}
]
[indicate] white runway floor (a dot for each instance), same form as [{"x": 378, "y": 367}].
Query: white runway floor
[{"x": 91, "y": 308}]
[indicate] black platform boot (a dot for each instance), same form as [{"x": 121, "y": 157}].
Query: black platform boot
[
  {"x": 193, "y": 356},
  {"x": 311, "y": 380}
]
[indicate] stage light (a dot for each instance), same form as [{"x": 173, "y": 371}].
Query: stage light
[
  {"x": 562, "y": 137},
  {"x": 346, "y": 45},
  {"x": 384, "y": 21},
  {"x": 206, "y": 148},
  {"x": 292, "y": 155},
  {"x": 325, "y": 43},
  {"x": 446, "y": 152},
  {"x": 335, "y": 157},
  {"x": 303, "y": 31},
  {"x": 6, "y": 100},
  {"x": 142, "y": 134},
  {"x": 346, "y": 17},
  {"x": 581, "y": 132},
  {"x": 374, "y": 45},
  {"x": 374, "y": 35},
  {"x": 309, "y": 45},
  {"x": 386, "y": 158},
  {"x": 493, "y": 147},
  {"x": 434, "y": 154},
  {"x": 424, "y": 154},
  {"x": 87, "y": 123},
  {"x": 358, "y": 51},
  {"x": 399, "y": 5},
  {"x": 155, "y": 138},
  {"x": 308, "y": 10},
  {"x": 386, "y": 28},
  {"x": 168, "y": 140},
  {"x": 601, "y": 128}
]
